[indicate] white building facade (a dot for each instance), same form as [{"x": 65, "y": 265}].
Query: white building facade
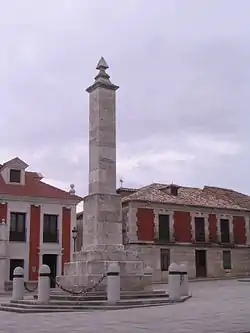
[{"x": 36, "y": 223}]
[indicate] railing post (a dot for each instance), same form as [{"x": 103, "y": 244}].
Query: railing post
[
  {"x": 44, "y": 284},
  {"x": 114, "y": 283},
  {"x": 18, "y": 284}
]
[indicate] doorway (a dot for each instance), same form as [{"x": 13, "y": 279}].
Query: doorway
[
  {"x": 13, "y": 264},
  {"x": 51, "y": 261},
  {"x": 201, "y": 263}
]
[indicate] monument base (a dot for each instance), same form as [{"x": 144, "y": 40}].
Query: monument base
[{"x": 91, "y": 264}]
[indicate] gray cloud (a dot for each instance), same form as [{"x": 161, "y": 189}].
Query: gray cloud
[{"x": 182, "y": 68}]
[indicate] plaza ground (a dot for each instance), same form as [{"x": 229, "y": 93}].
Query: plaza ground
[{"x": 216, "y": 306}]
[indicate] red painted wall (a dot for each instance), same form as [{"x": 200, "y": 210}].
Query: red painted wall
[
  {"x": 66, "y": 235},
  {"x": 34, "y": 245},
  {"x": 145, "y": 224},
  {"x": 239, "y": 229},
  {"x": 212, "y": 228},
  {"x": 182, "y": 227},
  {"x": 3, "y": 211}
]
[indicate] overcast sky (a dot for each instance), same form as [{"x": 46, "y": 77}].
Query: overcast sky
[{"x": 183, "y": 67}]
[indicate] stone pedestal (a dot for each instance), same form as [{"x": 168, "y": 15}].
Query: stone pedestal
[
  {"x": 91, "y": 264},
  {"x": 102, "y": 230}
]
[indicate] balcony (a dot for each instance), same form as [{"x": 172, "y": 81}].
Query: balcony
[{"x": 49, "y": 237}]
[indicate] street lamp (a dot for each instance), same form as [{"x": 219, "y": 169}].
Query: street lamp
[{"x": 74, "y": 235}]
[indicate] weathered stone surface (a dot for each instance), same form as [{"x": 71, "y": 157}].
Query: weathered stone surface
[{"x": 102, "y": 221}]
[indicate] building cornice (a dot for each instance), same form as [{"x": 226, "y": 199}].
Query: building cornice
[
  {"x": 186, "y": 208},
  {"x": 38, "y": 200}
]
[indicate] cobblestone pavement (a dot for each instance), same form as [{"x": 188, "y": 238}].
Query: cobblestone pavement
[{"x": 218, "y": 306}]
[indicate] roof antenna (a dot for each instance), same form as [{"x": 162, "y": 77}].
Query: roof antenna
[{"x": 121, "y": 182}]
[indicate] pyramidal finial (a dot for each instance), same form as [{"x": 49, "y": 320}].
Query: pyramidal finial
[
  {"x": 102, "y": 78},
  {"x": 102, "y": 64}
]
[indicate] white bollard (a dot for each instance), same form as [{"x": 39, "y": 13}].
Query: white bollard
[
  {"x": 18, "y": 284},
  {"x": 148, "y": 278},
  {"x": 174, "y": 278},
  {"x": 114, "y": 283},
  {"x": 44, "y": 284},
  {"x": 184, "y": 280}
]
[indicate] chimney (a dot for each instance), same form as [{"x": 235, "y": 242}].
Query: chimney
[{"x": 173, "y": 189}]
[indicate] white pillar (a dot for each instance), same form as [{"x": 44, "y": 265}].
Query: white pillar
[
  {"x": 148, "y": 274},
  {"x": 3, "y": 253},
  {"x": 2, "y": 274},
  {"x": 174, "y": 278},
  {"x": 18, "y": 284},
  {"x": 114, "y": 283},
  {"x": 184, "y": 280},
  {"x": 44, "y": 284},
  {"x": 231, "y": 229},
  {"x": 218, "y": 228}
]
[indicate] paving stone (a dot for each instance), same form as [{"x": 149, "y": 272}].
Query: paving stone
[{"x": 216, "y": 307}]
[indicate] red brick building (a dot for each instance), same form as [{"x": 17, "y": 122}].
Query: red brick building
[
  {"x": 206, "y": 228},
  {"x": 36, "y": 222}
]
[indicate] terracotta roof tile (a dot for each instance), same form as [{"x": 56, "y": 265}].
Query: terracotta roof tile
[
  {"x": 189, "y": 196},
  {"x": 34, "y": 187},
  {"x": 240, "y": 199}
]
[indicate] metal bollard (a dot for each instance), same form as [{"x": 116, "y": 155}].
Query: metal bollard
[
  {"x": 18, "y": 284},
  {"x": 114, "y": 283},
  {"x": 174, "y": 279},
  {"x": 184, "y": 280},
  {"x": 44, "y": 284}
]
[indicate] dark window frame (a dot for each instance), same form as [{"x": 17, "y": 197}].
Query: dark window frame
[
  {"x": 199, "y": 231},
  {"x": 50, "y": 228},
  {"x": 165, "y": 259},
  {"x": 15, "y": 176},
  {"x": 164, "y": 227},
  {"x": 19, "y": 262},
  {"x": 227, "y": 261},
  {"x": 17, "y": 232},
  {"x": 225, "y": 231}
]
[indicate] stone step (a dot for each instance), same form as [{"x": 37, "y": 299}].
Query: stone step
[
  {"x": 30, "y": 306},
  {"x": 103, "y": 296},
  {"x": 123, "y": 292},
  {"x": 89, "y": 302}
]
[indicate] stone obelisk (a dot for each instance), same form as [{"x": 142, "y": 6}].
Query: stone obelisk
[
  {"x": 102, "y": 223},
  {"x": 102, "y": 218}
]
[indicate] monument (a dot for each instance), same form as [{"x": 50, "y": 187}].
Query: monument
[{"x": 102, "y": 220}]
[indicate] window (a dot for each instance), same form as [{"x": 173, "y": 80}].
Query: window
[
  {"x": 224, "y": 229},
  {"x": 17, "y": 227},
  {"x": 199, "y": 229},
  {"x": 50, "y": 232},
  {"x": 164, "y": 234},
  {"x": 227, "y": 260},
  {"x": 15, "y": 176},
  {"x": 165, "y": 259},
  {"x": 13, "y": 264}
]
